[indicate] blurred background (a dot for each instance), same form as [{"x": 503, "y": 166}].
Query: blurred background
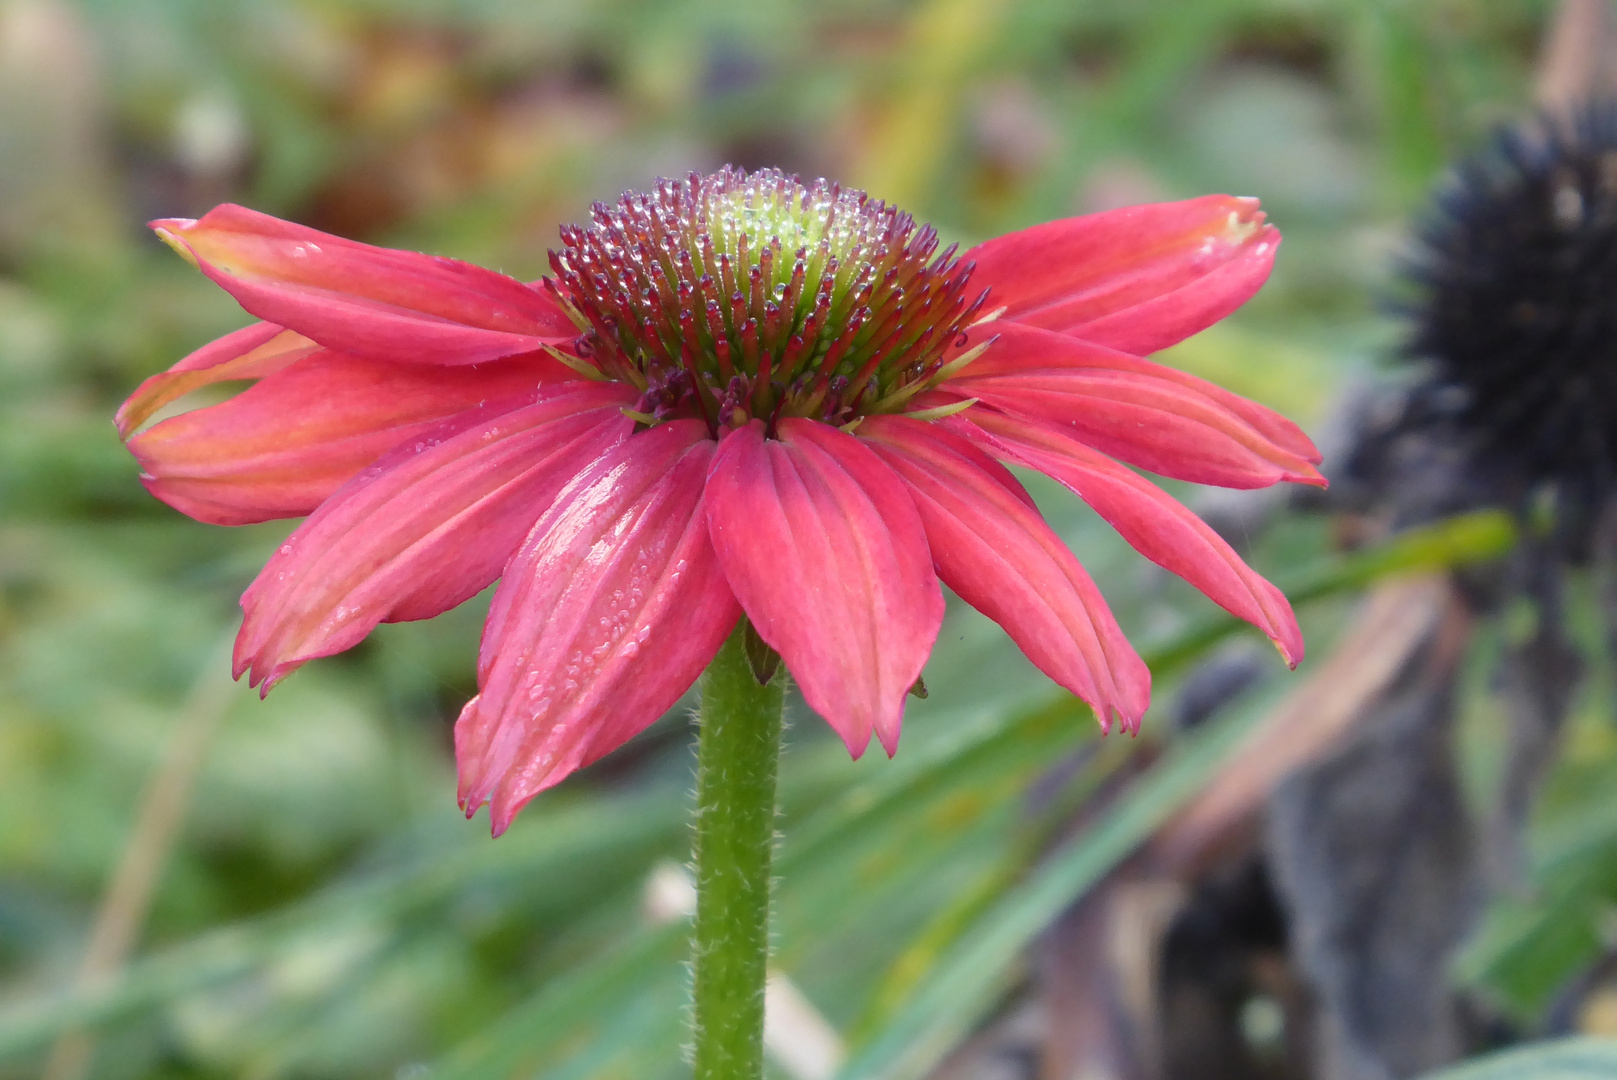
[{"x": 1402, "y": 854}]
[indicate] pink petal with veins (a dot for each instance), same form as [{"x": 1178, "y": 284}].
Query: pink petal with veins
[
  {"x": 426, "y": 527},
  {"x": 369, "y": 301},
  {"x": 1152, "y": 521},
  {"x": 1137, "y": 279},
  {"x": 281, "y": 447},
  {"x": 1017, "y": 349},
  {"x": 822, "y": 545},
  {"x": 1144, "y": 413},
  {"x": 997, "y": 552},
  {"x": 605, "y": 616}
]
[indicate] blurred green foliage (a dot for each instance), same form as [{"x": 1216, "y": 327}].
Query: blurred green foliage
[
  {"x": 1565, "y": 1059},
  {"x": 325, "y": 912}
]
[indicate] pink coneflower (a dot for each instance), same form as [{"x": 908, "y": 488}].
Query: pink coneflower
[{"x": 736, "y": 394}]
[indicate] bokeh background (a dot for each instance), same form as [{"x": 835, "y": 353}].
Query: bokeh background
[{"x": 194, "y": 883}]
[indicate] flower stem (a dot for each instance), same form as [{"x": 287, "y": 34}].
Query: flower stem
[{"x": 735, "y": 838}]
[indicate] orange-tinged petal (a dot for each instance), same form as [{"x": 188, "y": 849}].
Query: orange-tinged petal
[
  {"x": 605, "y": 616},
  {"x": 281, "y": 447},
  {"x": 821, "y": 543},
  {"x": 1137, "y": 279},
  {"x": 369, "y": 301},
  {"x": 249, "y": 353},
  {"x": 423, "y": 529},
  {"x": 997, "y": 552},
  {"x": 1157, "y": 525}
]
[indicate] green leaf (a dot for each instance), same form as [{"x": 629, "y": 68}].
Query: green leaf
[
  {"x": 1565, "y": 1059},
  {"x": 970, "y": 979},
  {"x": 576, "y": 1011},
  {"x": 612, "y": 832}
]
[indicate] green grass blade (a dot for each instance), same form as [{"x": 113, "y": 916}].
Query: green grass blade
[{"x": 970, "y": 979}]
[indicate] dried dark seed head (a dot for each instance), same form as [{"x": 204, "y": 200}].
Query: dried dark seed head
[
  {"x": 1517, "y": 271},
  {"x": 773, "y": 297}
]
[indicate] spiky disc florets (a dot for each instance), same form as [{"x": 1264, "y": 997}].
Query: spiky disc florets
[
  {"x": 736, "y": 295},
  {"x": 1518, "y": 269}
]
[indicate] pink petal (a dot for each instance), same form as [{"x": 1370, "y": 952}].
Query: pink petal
[
  {"x": 1136, "y": 279},
  {"x": 1148, "y": 414},
  {"x": 1017, "y": 349},
  {"x": 605, "y": 616},
  {"x": 822, "y": 545},
  {"x": 423, "y": 529},
  {"x": 369, "y": 301},
  {"x": 997, "y": 552},
  {"x": 1153, "y": 522},
  {"x": 280, "y": 448},
  {"x": 249, "y": 353}
]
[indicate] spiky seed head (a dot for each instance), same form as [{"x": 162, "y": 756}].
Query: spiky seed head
[
  {"x": 740, "y": 295},
  {"x": 1516, "y": 274}
]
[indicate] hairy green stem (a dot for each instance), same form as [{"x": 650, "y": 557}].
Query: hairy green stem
[{"x": 735, "y": 838}]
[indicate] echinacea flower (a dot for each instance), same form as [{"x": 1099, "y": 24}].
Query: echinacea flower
[
  {"x": 736, "y": 394},
  {"x": 1515, "y": 317}
]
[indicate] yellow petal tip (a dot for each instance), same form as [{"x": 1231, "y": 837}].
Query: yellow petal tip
[{"x": 173, "y": 241}]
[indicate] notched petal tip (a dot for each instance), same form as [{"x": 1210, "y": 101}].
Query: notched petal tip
[
  {"x": 857, "y": 740},
  {"x": 1245, "y": 220},
  {"x": 1118, "y": 720},
  {"x": 167, "y": 231},
  {"x": 499, "y": 822},
  {"x": 889, "y": 743},
  {"x": 264, "y": 677},
  {"x": 261, "y": 676}
]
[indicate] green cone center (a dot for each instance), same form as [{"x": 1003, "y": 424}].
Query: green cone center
[{"x": 738, "y": 295}]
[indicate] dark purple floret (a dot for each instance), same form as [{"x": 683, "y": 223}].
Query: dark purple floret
[{"x": 1517, "y": 272}]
